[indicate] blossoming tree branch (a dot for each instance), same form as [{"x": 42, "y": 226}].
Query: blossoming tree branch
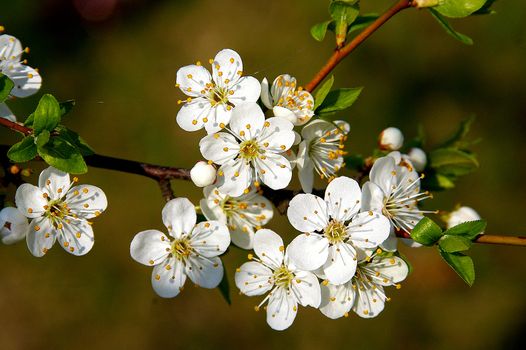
[{"x": 257, "y": 136}]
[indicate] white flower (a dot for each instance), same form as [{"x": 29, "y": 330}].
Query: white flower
[
  {"x": 334, "y": 229},
  {"x": 190, "y": 249},
  {"x": 27, "y": 80},
  {"x": 243, "y": 215},
  {"x": 364, "y": 294},
  {"x": 460, "y": 215},
  {"x": 13, "y": 225},
  {"x": 394, "y": 190},
  {"x": 6, "y": 113},
  {"x": 418, "y": 158},
  {"x": 60, "y": 211},
  {"x": 321, "y": 150},
  {"x": 252, "y": 151},
  {"x": 274, "y": 272},
  {"x": 203, "y": 174},
  {"x": 391, "y": 139},
  {"x": 212, "y": 97},
  {"x": 297, "y": 105}
]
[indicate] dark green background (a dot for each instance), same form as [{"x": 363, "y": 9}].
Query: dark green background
[{"x": 122, "y": 70}]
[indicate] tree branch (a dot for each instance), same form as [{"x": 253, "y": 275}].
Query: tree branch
[{"x": 340, "y": 54}]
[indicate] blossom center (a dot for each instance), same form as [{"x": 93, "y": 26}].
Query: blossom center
[
  {"x": 335, "y": 232},
  {"x": 181, "y": 248},
  {"x": 57, "y": 209},
  {"x": 249, "y": 149},
  {"x": 283, "y": 277},
  {"x": 218, "y": 95}
]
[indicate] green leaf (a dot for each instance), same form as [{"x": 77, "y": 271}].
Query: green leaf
[
  {"x": 66, "y": 107},
  {"x": 343, "y": 13},
  {"x": 42, "y": 138},
  {"x": 59, "y": 153},
  {"x": 74, "y": 139},
  {"x": 437, "y": 182},
  {"x": 457, "y": 140},
  {"x": 462, "y": 264},
  {"x": 452, "y": 162},
  {"x": 224, "y": 288},
  {"x": 362, "y": 22},
  {"x": 47, "y": 115},
  {"x": 469, "y": 230},
  {"x": 23, "y": 151},
  {"x": 6, "y": 85},
  {"x": 338, "y": 100},
  {"x": 449, "y": 29},
  {"x": 426, "y": 232},
  {"x": 459, "y": 8},
  {"x": 322, "y": 91},
  {"x": 452, "y": 244},
  {"x": 319, "y": 30},
  {"x": 355, "y": 161},
  {"x": 486, "y": 9},
  {"x": 29, "y": 120}
]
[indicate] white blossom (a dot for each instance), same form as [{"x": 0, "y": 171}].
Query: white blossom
[
  {"x": 334, "y": 227},
  {"x": 243, "y": 215},
  {"x": 13, "y": 225},
  {"x": 418, "y": 158},
  {"x": 189, "y": 249},
  {"x": 211, "y": 98},
  {"x": 60, "y": 211},
  {"x": 460, "y": 215},
  {"x": 321, "y": 151},
  {"x": 252, "y": 151},
  {"x": 26, "y": 79},
  {"x": 273, "y": 271},
  {"x": 203, "y": 174},
  {"x": 391, "y": 139},
  {"x": 287, "y": 100},
  {"x": 364, "y": 294},
  {"x": 394, "y": 190}
]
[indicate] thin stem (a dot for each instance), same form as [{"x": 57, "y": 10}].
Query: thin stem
[{"x": 340, "y": 54}]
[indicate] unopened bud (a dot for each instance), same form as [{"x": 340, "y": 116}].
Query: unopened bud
[
  {"x": 391, "y": 139},
  {"x": 14, "y": 169},
  {"x": 203, "y": 174},
  {"x": 426, "y": 3},
  {"x": 26, "y": 172},
  {"x": 462, "y": 214},
  {"x": 418, "y": 158}
]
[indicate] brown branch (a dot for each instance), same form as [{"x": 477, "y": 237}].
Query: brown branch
[{"x": 340, "y": 54}]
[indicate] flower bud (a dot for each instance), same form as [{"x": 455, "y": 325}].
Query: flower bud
[
  {"x": 426, "y": 3},
  {"x": 418, "y": 158},
  {"x": 461, "y": 215},
  {"x": 13, "y": 225},
  {"x": 203, "y": 174},
  {"x": 391, "y": 139}
]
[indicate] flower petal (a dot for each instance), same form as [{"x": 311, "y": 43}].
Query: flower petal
[
  {"x": 242, "y": 235},
  {"x": 6, "y": 113},
  {"x": 218, "y": 117},
  {"x": 274, "y": 170},
  {"x": 343, "y": 196},
  {"x": 10, "y": 48},
  {"x": 305, "y": 168},
  {"x": 13, "y": 225},
  {"x": 150, "y": 247},
  {"x": 336, "y": 301},
  {"x": 253, "y": 278},
  {"x": 227, "y": 66},
  {"x": 179, "y": 216},
  {"x": 210, "y": 238},
  {"x": 86, "y": 201},
  {"x": 205, "y": 272},
  {"x": 192, "y": 80},
  {"x": 27, "y": 80},
  {"x": 40, "y": 236},
  {"x": 236, "y": 178},
  {"x": 369, "y": 229},
  {"x": 341, "y": 264},
  {"x": 193, "y": 114},
  {"x": 308, "y": 213},
  {"x": 219, "y": 148},
  {"x": 245, "y": 90},
  {"x": 369, "y": 301},
  {"x": 391, "y": 243},
  {"x": 387, "y": 271},
  {"x": 76, "y": 237},
  {"x": 30, "y": 200},
  {"x": 277, "y": 135},
  {"x": 265, "y": 94},
  {"x": 281, "y": 309},
  {"x": 383, "y": 173},
  {"x": 247, "y": 121},
  {"x": 168, "y": 278},
  {"x": 54, "y": 182},
  {"x": 269, "y": 247},
  {"x": 306, "y": 288},
  {"x": 308, "y": 251},
  {"x": 372, "y": 197}
]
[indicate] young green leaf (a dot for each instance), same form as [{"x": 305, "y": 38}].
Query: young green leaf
[
  {"x": 66, "y": 107},
  {"x": 361, "y": 22},
  {"x": 449, "y": 29},
  {"x": 453, "y": 244},
  {"x": 459, "y": 8},
  {"x": 426, "y": 232},
  {"x": 224, "y": 288},
  {"x": 6, "y": 85},
  {"x": 322, "y": 91},
  {"x": 437, "y": 182},
  {"x": 343, "y": 13},
  {"x": 319, "y": 30},
  {"x": 23, "y": 151},
  {"x": 42, "y": 138},
  {"x": 59, "y": 153},
  {"x": 338, "y": 100},
  {"x": 457, "y": 140},
  {"x": 74, "y": 139},
  {"x": 47, "y": 115},
  {"x": 469, "y": 230},
  {"x": 462, "y": 264},
  {"x": 453, "y": 162}
]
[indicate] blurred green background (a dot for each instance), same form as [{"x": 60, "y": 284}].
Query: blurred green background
[{"x": 118, "y": 60}]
